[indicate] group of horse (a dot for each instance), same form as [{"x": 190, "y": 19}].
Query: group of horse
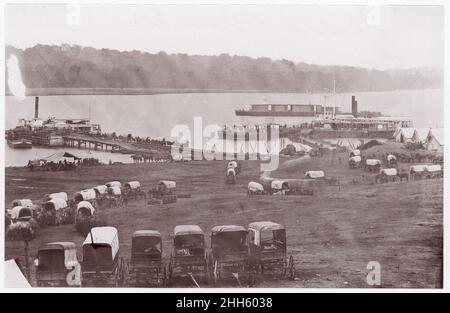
[
  {"x": 145, "y": 158},
  {"x": 61, "y": 165}
]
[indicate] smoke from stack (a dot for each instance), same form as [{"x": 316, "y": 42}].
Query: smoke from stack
[
  {"x": 354, "y": 107},
  {"x": 36, "y": 107}
]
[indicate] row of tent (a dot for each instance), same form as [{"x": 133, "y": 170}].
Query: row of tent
[{"x": 431, "y": 138}]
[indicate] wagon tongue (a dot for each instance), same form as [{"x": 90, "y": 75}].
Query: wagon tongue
[
  {"x": 236, "y": 275},
  {"x": 193, "y": 279}
]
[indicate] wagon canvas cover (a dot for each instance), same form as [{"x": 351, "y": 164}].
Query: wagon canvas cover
[
  {"x": 254, "y": 186},
  {"x": 373, "y": 162},
  {"x": 315, "y": 174},
  {"x": 58, "y": 195},
  {"x": 86, "y": 205},
  {"x": 56, "y": 203},
  {"x": 433, "y": 168},
  {"x": 389, "y": 171},
  {"x": 22, "y": 202},
  {"x": 104, "y": 235}
]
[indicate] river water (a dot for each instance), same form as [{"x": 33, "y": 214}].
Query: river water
[{"x": 156, "y": 115}]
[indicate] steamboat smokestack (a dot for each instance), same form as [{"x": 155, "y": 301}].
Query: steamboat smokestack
[
  {"x": 36, "y": 107},
  {"x": 354, "y": 107}
]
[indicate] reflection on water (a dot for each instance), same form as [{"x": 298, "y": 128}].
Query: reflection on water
[{"x": 20, "y": 157}]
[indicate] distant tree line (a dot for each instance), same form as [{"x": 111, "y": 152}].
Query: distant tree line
[{"x": 66, "y": 66}]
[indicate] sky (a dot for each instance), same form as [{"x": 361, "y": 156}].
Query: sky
[{"x": 379, "y": 37}]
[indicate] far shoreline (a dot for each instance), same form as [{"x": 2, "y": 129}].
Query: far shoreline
[{"x": 31, "y": 92}]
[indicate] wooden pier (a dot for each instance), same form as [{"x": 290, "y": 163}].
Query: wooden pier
[{"x": 92, "y": 143}]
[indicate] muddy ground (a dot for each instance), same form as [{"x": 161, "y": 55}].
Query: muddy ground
[{"x": 332, "y": 234}]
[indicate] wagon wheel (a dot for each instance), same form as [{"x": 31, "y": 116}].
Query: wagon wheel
[
  {"x": 124, "y": 280},
  {"x": 252, "y": 278},
  {"x": 164, "y": 276},
  {"x": 170, "y": 273},
  {"x": 117, "y": 277},
  {"x": 284, "y": 268},
  {"x": 206, "y": 278},
  {"x": 216, "y": 272},
  {"x": 291, "y": 268}
]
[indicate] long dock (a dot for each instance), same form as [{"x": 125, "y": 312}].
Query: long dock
[{"x": 93, "y": 143}]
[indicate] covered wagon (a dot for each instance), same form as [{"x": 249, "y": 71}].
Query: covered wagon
[
  {"x": 279, "y": 187},
  {"x": 230, "y": 176},
  {"x": 102, "y": 264},
  {"x": 54, "y": 211},
  {"x": 189, "y": 257},
  {"x": 315, "y": 174},
  {"x": 133, "y": 185},
  {"x": 391, "y": 160},
  {"x": 386, "y": 175},
  {"x": 21, "y": 213},
  {"x": 354, "y": 162},
  {"x": 146, "y": 266},
  {"x": 132, "y": 189},
  {"x": 417, "y": 171},
  {"x": 114, "y": 196},
  {"x": 373, "y": 165},
  {"x": 268, "y": 250},
  {"x": 255, "y": 188},
  {"x": 85, "y": 217},
  {"x": 57, "y": 265},
  {"x": 433, "y": 171},
  {"x": 229, "y": 257},
  {"x": 234, "y": 165},
  {"x": 85, "y": 195},
  {"x": 164, "y": 192}
]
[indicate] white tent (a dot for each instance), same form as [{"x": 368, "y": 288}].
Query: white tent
[
  {"x": 404, "y": 134},
  {"x": 435, "y": 139},
  {"x": 14, "y": 277},
  {"x": 420, "y": 135}
]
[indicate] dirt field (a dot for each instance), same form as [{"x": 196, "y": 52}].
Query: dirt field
[{"x": 332, "y": 235}]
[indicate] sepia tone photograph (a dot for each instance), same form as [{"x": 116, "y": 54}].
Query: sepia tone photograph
[{"x": 223, "y": 146}]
